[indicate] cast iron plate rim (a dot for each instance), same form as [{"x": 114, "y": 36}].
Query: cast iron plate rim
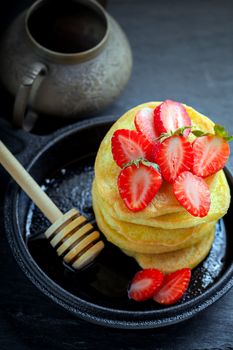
[{"x": 157, "y": 318}]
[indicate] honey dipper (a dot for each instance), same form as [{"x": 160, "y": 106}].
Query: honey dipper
[{"x": 74, "y": 239}]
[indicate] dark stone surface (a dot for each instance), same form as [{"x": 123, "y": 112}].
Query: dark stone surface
[{"x": 182, "y": 50}]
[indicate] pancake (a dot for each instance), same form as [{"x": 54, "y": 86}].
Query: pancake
[
  {"x": 220, "y": 200},
  {"x": 163, "y": 235},
  {"x": 164, "y": 202},
  {"x": 168, "y": 262},
  {"x": 133, "y": 238},
  {"x": 145, "y": 239}
]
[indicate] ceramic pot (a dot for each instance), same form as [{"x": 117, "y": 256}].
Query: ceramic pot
[{"x": 64, "y": 59}]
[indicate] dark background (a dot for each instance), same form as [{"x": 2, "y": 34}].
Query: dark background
[{"x": 183, "y": 50}]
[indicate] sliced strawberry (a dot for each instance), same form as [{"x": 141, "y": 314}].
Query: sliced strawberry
[
  {"x": 174, "y": 286},
  {"x": 210, "y": 155},
  {"x": 193, "y": 193},
  {"x": 144, "y": 284},
  {"x": 170, "y": 116},
  {"x": 138, "y": 184},
  {"x": 144, "y": 122},
  {"x": 155, "y": 150},
  {"x": 175, "y": 156},
  {"x": 128, "y": 145}
]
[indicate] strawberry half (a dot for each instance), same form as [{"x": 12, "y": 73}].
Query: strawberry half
[
  {"x": 210, "y": 155},
  {"x": 193, "y": 193},
  {"x": 138, "y": 184},
  {"x": 144, "y": 122},
  {"x": 144, "y": 284},
  {"x": 155, "y": 150},
  {"x": 128, "y": 145},
  {"x": 170, "y": 116},
  {"x": 173, "y": 288},
  {"x": 175, "y": 156}
]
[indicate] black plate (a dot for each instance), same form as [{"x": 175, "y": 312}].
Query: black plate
[{"x": 99, "y": 293}]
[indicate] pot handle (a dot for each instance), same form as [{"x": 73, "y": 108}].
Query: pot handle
[{"x": 26, "y": 92}]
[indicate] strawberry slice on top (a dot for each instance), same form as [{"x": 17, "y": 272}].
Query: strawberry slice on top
[
  {"x": 193, "y": 193},
  {"x": 129, "y": 145},
  {"x": 174, "y": 156},
  {"x": 210, "y": 155},
  {"x": 174, "y": 286},
  {"x": 144, "y": 122},
  {"x": 155, "y": 151},
  {"x": 144, "y": 284},
  {"x": 138, "y": 184},
  {"x": 170, "y": 116}
]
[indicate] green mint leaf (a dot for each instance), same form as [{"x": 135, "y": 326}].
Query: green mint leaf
[{"x": 219, "y": 130}]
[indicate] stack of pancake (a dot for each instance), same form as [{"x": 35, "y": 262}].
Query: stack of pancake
[{"x": 163, "y": 235}]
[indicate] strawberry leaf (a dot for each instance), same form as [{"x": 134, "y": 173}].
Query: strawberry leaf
[
  {"x": 220, "y": 131},
  {"x": 164, "y": 136},
  {"x": 177, "y": 132},
  {"x": 142, "y": 161},
  {"x": 154, "y": 165},
  {"x": 135, "y": 162},
  {"x": 180, "y": 131},
  {"x": 199, "y": 133}
]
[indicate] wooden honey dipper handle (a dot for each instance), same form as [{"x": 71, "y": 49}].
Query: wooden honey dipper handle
[
  {"x": 28, "y": 184},
  {"x": 70, "y": 234}
]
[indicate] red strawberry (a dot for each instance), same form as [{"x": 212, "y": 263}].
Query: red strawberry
[
  {"x": 173, "y": 288},
  {"x": 144, "y": 122},
  {"x": 210, "y": 155},
  {"x": 138, "y": 184},
  {"x": 144, "y": 284},
  {"x": 170, "y": 116},
  {"x": 128, "y": 145},
  {"x": 193, "y": 193},
  {"x": 155, "y": 150},
  {"x": 175, "y": 156}
]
